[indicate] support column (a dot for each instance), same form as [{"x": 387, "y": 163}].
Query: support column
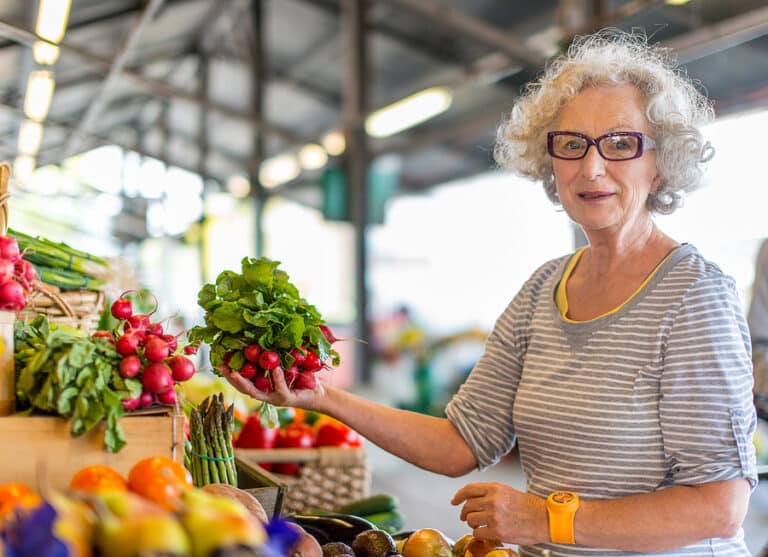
[
  {"x": 356, "y": 161},
  {"x": 258, "y": 87}
]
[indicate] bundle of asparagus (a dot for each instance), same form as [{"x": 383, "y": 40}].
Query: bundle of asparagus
[
  {"x": 209, "y": 454},
  {"x": 61, "y": 265}
]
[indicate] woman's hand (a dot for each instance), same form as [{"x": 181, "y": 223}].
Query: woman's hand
[
  {"x": 497, "y": 511},
  {"x": 280, "y": 396}
]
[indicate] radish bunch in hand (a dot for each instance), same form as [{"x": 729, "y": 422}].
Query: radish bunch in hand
[
  {"x": 149, "y": 355},
  {"x": 16, "y": 275}
]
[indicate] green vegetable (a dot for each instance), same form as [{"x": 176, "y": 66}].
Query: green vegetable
[
  {"x": 373, "y": 504},
  {"x": 390, "y": 521},
  {"x": 262, "y": 306},
  {"x": 64, "y": 371},
  {"x": 210, "y": 449}
]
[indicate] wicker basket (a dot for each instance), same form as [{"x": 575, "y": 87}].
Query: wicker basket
[
  {"x": 329, "y": 476},
  {"x": 76, "y": 308}
]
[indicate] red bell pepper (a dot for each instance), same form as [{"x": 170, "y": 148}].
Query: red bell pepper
[
  {"x": 256, "y": 436},
  {"x": 293, "y": 436},
  {"x": 336, "y": 434}
]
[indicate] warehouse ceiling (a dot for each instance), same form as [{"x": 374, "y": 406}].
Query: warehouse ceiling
[{"x": 191, "y": 83}]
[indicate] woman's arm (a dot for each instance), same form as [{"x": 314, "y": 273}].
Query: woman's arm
[
  {"x": 659, "y": 521},
  {"x": 425, "y": 441}
]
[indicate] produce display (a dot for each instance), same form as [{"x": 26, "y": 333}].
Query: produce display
[
  {"x": 16, "y": 275},
  {"x": 91, "y": 378},
  {"x": 257, "y": 324},
  {"x": 209, "y": 455}
]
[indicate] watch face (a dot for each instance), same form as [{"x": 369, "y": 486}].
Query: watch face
[{"x": 562, "y": 497}]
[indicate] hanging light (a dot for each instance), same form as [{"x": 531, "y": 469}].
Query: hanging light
[
  {"x": 334, "y": 143},
  {"x": 30, "y": 137},
  {"x": 278, "y": 170},
  {"x": 52, "y": 17},
  {"x": 44, "y": 53},
  {"x": 408, "y": 112},
  {"x": 677, "y": 2},
  {"x": 312, "y": 157},
  {"x": 238, "y": 186},
  {"x": 37, "y": 99}
]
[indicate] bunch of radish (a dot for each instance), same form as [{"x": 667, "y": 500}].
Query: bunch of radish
[
  {"x": 16, "y": 275},
  {"x": 149, "y": 354},
  {"x": 301, "y": 364}
]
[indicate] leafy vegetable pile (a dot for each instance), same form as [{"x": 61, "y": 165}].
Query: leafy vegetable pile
[
  {"x": 64, "y": 371},
  {"x": 256, "y": 323}
]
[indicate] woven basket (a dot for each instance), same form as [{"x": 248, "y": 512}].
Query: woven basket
[
  {"x": 76, "y": 308},
  {"x": 328, "y": 478}
]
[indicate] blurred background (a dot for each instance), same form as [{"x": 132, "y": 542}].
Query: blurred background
[{"x": 350, "y": 140}]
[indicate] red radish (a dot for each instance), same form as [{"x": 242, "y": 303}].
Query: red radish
[
  {"x": 9, "y": 248},
  {"x": 251, "y": 352},
  {"x": 156, "y": 350},
  {"x": 249, "y": 370},
  {"x": 130, "y": 366},
  {"x": 299, "y": 355},
  {"x": 155, "y": 329},
  {"x": 312, "y": 362},
  {"x": 306, "y": 381},
  {"x": 127, "y": 344},
  {"x": 144, "y": 337},
  {"x": 146, "y": 399},
  {"x": 291, "y": 374},
  {"x": 121, "y": 308},
  {"x": 138, "y": 322},
  {"x": 25, "y": 270},
  {"x": 104, "y": 334},
  {"x": 7, "y": 270},
  {"x": 190, "y": 349},
  {"x": 131, "y": 403},
  {"x": 269, "y": 360},
  {"x": 182, "y": 368},
  {"x": 263, "y": 383},
  {"x": 172, "y": 342},
  {"x": 327, "y": 333},
  {"x": 156, "y": 378},
  {"x": 12, "y": 296},
  {"x": 167, "y": 397}
]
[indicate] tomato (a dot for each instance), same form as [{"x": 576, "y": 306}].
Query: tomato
[
  {"x": 160, "y": 479},
  {"x": 16, "y": 495},
  {"x": 97, "y": 478},
  {"x": 336, "y": 434},
  {"x": 293, "y": 436}
]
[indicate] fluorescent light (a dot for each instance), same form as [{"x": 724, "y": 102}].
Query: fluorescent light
[
  {"x": 677, "y": 2},
  {"x": 44, "y": 53},
  {"x": 408, "y": 112},
  {"x": 30, "y": 137},
  {"x": 23, "y": 167},
  {"x": 37, "y": 99},
  {"x": 52, "y": 17},
  {"x": 278, "y": 170},
  {"x": 334, "y": 143},
  {"x": 312, "y": 157}
]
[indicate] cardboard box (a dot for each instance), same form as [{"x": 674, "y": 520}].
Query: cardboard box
[{"x": 41, "y": 448}]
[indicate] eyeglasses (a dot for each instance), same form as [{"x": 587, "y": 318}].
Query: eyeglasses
[{"x": 615, "y": 146}]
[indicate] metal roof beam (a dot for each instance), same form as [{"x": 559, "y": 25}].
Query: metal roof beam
[
  {"x": 115, "y": 69},
  {"x": 475, "y": 29},
  {"x": 156, "y": 87}
]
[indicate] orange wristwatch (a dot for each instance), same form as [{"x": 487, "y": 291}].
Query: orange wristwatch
[{"x": 561, "y": 508}]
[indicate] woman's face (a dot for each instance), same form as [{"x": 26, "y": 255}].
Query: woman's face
[{"x": 601, "y": 195}]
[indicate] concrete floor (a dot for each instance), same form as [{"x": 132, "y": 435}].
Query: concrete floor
[{"x": 424, "y": 497}]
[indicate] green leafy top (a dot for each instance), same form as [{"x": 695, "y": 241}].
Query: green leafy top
[{"x": 258, "y": 305}]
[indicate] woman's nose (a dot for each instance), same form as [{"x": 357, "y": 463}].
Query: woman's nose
[{"x": 593, "y": 164}]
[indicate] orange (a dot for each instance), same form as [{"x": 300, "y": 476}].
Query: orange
[
  {"x": 159, "y": 479},
  {"x": 97, "y": 478},
  {"x": 15, "y": 494}
]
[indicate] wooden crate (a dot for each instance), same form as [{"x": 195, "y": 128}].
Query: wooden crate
[{"x": 41, "y": 447}]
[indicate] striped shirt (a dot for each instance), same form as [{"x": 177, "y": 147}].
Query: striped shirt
[{"x": 658, "y": 393}]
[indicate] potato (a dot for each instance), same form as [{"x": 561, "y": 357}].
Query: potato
[{"x": 247, "y": 500}]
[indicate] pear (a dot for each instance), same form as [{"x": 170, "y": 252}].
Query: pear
[
  {"x": 75, "y": 524},
  {"x": 428, "y": 542},
  {"x": 124, "y": 504},
  {"x": 142, "y": 534},
  {"x": 210, "y": 530},
  {"x": 461, "y": 545}
]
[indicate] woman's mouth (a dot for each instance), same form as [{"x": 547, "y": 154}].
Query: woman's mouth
[{"x": 592, "y": 195}]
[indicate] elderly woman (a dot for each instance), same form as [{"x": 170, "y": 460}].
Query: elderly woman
[{"x": 623, "y": 370}]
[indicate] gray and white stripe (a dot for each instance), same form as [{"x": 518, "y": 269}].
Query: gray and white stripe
[{"x": 657, "y": 394}]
